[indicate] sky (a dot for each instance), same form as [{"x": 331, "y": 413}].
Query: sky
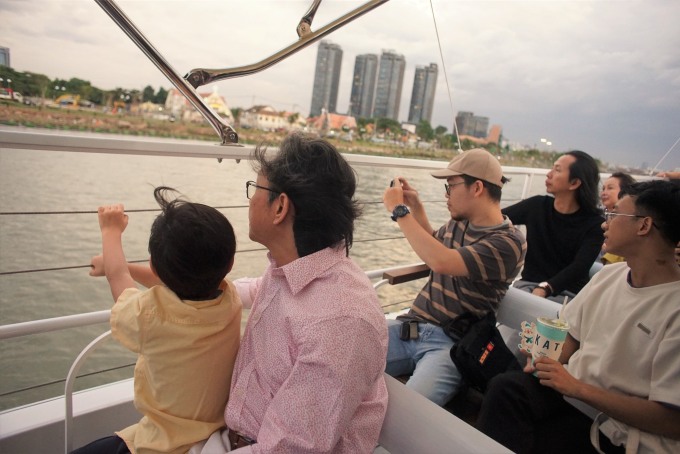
[{"x": 595, "y": 75}]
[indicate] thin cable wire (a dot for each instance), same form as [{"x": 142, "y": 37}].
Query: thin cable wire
[
  {"x": 141, "y": 210},
  {"x": 147, "y": 210},
  {"x": 423, "y": 201},
  {"x": 58, "y": 268},
  {"x": 664, "y": 157},
  {"x": 240, "y": 251},
  {"x": 446, "y": 77},
  {"x": 62, "y": 380},
  {"x": 396, "y": 304}
]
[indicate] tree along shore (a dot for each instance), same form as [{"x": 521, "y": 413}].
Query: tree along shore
[{"x": 14, "y": 114}]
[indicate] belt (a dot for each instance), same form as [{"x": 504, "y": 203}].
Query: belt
[{"x": 236, "y": 440}]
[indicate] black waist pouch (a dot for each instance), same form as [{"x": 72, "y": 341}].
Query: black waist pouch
[{"x": 480, "y": 352}]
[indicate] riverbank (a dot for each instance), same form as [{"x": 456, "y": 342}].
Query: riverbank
[{"x": 124, "y": 123}]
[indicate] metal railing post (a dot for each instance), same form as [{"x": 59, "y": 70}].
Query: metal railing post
[{"x": 68, "y": 388}]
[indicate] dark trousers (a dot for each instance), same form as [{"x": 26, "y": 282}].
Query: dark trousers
[
  {"x": 107, "y": 445},
  {"x": 526, "y": 417}
]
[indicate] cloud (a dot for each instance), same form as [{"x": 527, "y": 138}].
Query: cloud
[{"x": 599, "y": 75}]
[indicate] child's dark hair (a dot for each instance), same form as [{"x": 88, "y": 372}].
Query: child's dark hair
[{"x": 191, "y": 245}]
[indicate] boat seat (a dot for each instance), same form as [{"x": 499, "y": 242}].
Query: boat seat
[
  {"x": 414, "y": 424},
  {"x": 597, "y": 266}
]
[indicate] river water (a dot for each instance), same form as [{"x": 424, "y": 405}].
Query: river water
[{"x": 42, "y": 181}]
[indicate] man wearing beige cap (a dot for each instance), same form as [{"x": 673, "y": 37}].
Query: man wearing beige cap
[{"x": 473, "y": 258}]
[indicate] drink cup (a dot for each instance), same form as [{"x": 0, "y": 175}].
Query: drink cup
[{"x": 545, "y": 337}]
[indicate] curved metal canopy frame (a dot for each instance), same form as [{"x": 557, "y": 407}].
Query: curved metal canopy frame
[{"x": 198, "y": 77}]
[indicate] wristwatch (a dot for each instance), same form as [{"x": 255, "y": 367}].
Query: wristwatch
[
  {"x": 545, "y": 286},
  {"x": 399, "y": 212}
]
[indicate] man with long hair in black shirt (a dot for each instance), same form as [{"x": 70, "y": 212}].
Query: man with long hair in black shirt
[{"x": 563, "y": 231}]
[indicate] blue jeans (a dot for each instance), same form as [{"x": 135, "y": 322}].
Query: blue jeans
[{"x": 428, "y": 360}]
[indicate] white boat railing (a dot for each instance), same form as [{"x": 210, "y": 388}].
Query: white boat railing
[
  {"x": 93, "y": 318},
  {"x": 68, "y": 388},
  {"x": 13, "y": 138},
  {"x": 46, "y": 140},
  {"x": 53, "y": 324}
]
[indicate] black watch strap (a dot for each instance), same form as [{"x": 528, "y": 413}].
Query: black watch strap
[
  {"x": 399, "y": 211},
  {"x": 547, "y": 287}
]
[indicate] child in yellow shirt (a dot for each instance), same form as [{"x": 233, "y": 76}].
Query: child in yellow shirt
[{"x": 185, "y": 326}]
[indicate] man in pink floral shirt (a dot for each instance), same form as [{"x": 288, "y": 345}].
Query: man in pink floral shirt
[{"x": 309, "y": 373}]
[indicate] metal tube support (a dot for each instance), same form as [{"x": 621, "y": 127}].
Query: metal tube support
[
  {"x": 226, "y": 132},
  {"x": 68, "y": 388},
  {"x": 305, "y": 25},
  {"x": 201, "y": 76},
  {"x": 54, "y": 324},
  {"x": 526, "y": 187}
]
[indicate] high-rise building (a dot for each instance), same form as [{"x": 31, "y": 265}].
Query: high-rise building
[
  {"x": 422, "y": 97},
  {"x": 326, "y": 78},
  {"x": 363, "y": 85},
  {"x": 388, "y": 88},
  {"x": 470, "y": 125},
  {"x": 4, "y": 56}
]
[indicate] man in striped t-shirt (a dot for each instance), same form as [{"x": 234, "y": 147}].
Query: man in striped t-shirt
[{"x": 473, "y": 259}]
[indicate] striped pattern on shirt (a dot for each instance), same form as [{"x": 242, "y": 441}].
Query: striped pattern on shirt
[{"x": 493, "y": 256}]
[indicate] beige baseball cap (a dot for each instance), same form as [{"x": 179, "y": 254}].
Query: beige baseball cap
[{"x": 477, "y": 163}]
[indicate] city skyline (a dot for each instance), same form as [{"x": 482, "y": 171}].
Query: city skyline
[{"x": 552, "y": 70}]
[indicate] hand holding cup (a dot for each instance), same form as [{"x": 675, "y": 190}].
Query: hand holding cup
[{"x": 545, "y": 337}]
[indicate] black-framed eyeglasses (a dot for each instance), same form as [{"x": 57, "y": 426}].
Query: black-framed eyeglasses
[
  {"x": 609, "y": 215},
  {"x": 449, "y": 186},
  {"x": 252, "y": 184}
]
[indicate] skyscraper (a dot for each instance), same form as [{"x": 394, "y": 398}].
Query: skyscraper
[
  {"x": 388, "y": 89},
  {"x": 363, "y": 85},
  {"x": 326, "y": 78},
  {"x": 422, "y": 97}
]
